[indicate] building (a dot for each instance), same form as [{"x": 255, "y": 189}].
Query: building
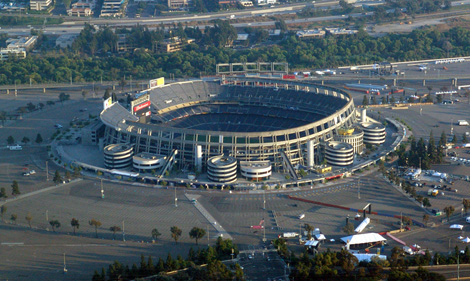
[
  {"x": 265, "y": 2},
  {"x": 315, "y": 33},
  {"x": 353, "y": 136},
  {"x": 374, "y": 133},
  {"x": 339, "y": 153},
  {"x": 92, "y": 133},
  {"x": 222, "y": 169},
  {"x": 123, "y": 45},
  {"x": 340, "y": 31},
  {"x": 112, "y": 8},
  {"x": 118, "y": 156},
  {"x": 256, "y": 170},
  {"x": 80, "y": 9},
  {"x": 148, "y": 162},
  {"x": 172, "y": 45},
  {"x": 246, "y": 3},
  {"x": 65, "y": 40},
  {"x": 178, "y": 4},
  {"x": 26, "y": 43},
  {"x": 40, "y": 5},
  {"x": 18, "y": 53}
]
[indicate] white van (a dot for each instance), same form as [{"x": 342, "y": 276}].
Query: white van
[
  {"x": 15, "y": 147},
  {"x": 301, "y": 216}
]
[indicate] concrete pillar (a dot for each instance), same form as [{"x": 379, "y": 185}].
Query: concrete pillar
[
  {"x": 322, "y": 82},
  {"x": 363, "y": 115},
  {"x": 310, "y": 153},
  {"x": 198, "y": 158},
  {"x": 394, "y": 82},
  {"x": 424, "y": 82}
]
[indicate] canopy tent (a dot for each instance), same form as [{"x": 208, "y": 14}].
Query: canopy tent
[
  {"x": 466, "y": 240},
  {"x": 312, "y": 243},
  {"x": 363, "y": 238},
  {"x": 320, "y": 237},
  {"x": 456, "y": 226},
  {"x": 461, "y": 237},
  {"x": 368, "y": 257}
]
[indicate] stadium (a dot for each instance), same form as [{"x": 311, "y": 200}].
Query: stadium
[{"x": 250, "y": 119}]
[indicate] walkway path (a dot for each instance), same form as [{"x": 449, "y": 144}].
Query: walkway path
[{"x": 209, "y": 217}]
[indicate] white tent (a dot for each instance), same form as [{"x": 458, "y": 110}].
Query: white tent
[
  {"x": 320, "y": 237},
  {"x": 363, "y": 238},
  {"x": 461, "y": 237},
  {"x": 368, "y": 257},
  {"x": 466, "y": 240},
  {"x": 311, "y": 243},
  {"x": 456, "y": 226},
  {"x": 363, "y": 225}
]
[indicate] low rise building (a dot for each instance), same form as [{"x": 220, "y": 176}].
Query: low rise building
[
  {"x": 7, "y": 53},
  {"x": 172, "y": 45},
  {"x": 39, "y": 5},
  {"x": 81, "y": 9},
  {"x": 314, "y": 33},
  {"x": 112, "y": 8},
  {"x": 340, "y": 31},
  {"x": 246, "y": 3},
  {"x": 178, "y": 4},
  {"x": 65, "y": 40},
  {"x": 265, "y": 2},
  {"x": 26, "y": 43}
]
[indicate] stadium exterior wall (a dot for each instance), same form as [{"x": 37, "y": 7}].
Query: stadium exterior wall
[{"x": 244, "y": 146}]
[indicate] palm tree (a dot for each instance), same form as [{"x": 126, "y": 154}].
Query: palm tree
[
  {"x": 114, "y": 229},
  {"x": 75, "y": 224},
  {"x": 96, "y": 224},
  {"x": 155, "y": 234},
  {"x": 29, "y": 218}
]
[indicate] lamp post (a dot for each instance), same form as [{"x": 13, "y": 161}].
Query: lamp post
[{"x": 176, "y": 199}]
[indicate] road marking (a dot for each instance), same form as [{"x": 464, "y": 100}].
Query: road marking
[{"x": 12, "y": 243}]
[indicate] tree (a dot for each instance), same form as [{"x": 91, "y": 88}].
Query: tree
[
  {"x": 309, "y": 228},
  {"x": 175, "y": 233},
  {"x": 3, "y": 210},
  {"x": 197, "y": 233},
  {"x": 75, "y": 224},
  {"x": 426, "y": 202},
  {"x": 466, "y": 204},
  {"x": 107, "y": 93},
  {"x": 114, "y": 229},
  {"x": 54, "y": 224},
  {"x": 63, "y": 97},
  {"x": 67, "y": 175},
  {"x": 348, "y": 228},
  {"x": 454, "y": 139},
  {"x": 365, "y": 101},
  {"x": 38, "y": 138},
  {"x": 84, "y": 93},
  {"x": 3, "y": 193},
  {"x": 29, "y": 218},
  {"x": 15, "y": 190},
  {"x": 425, "y": 218},
  {"x": 449, "y": 210},
  {"x": 464, "y": 138},
  {"x": 10, "y": 140},
  {"x": 122, "y": 83},
  {"x": 96, "y": 224},
  {"x": 57, "y": 178},
  {"x": 155, "y": 234},
  {"x": 25, "y": 140},
  {"x": 13, "y": 218}
]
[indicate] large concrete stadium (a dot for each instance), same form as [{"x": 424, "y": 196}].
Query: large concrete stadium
[{"x": 250, "y": 119}]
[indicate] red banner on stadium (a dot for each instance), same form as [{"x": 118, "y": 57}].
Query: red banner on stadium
[{"x": 140, "y": 106}]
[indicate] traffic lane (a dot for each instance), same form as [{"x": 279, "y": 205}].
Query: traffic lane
[{"x": 261, "y": 266}]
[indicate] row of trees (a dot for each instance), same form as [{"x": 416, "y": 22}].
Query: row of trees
[
  {"x": 25, "y": 140},
  {"x": 15, "y": 190},
  {"x": 421, "y": 154},
  {"x": 82, "y": 64},
  {"x": 211, "y": 256}
]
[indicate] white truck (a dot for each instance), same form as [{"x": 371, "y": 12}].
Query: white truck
[
  {"x": 15, "y": 147},
  {"x": 288, "y": 235},
  {"x": 463, "y": 123}
]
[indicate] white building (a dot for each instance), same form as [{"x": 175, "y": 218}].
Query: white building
[
  {"x": 19, "y": 53},
  {"x": 39, "y": 5}
]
